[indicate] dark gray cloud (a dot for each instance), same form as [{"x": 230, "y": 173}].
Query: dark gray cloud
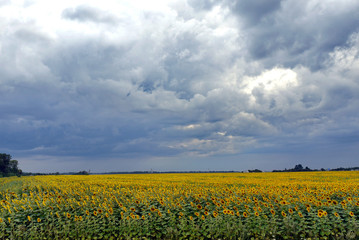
[
  {"x": 85, "y": 13},
  {"x": 255, "y": 12},
  {"x": 205, "y": 5},
  {"x": 293, "y": 33},
  {"x": 255, "y": 85}
]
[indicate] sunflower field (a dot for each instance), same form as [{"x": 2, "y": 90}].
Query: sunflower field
[{"x": 310, "y": 205}]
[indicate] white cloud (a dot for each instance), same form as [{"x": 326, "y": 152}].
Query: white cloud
[{"x": 271, "y": 81}]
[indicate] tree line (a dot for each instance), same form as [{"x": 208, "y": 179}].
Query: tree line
[
  {"x": 300, "y": 168},
  {"x": 8, "y": 166}
]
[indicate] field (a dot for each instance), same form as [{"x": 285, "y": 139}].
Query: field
[{"x": 313, "y": 205}]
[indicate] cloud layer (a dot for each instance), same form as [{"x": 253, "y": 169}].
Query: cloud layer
[{"x": 179, "y": 85}]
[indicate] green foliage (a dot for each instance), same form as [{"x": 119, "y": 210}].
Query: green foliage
[{"x": 8, "y": 167}]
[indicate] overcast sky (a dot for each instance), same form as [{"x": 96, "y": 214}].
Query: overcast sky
[{"x": 179, "y": 85}]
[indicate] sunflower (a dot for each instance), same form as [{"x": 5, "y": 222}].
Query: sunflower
[
  {"x": 38, "y": 220},
  {"x": 351, "y": 214},
  {"x": 245, "y": 214},
  {"x": 336, "y": 214},
  {"x": 284, "y": 214},
  {"x": 256, "y": 213},
  {"x": 300, "y": 214},
  {"x": 199, "y": 206},
  {"x": 272, "y": 212},
  {"x": 29, "y": 218},
  {"x": 290, "y": 211}
]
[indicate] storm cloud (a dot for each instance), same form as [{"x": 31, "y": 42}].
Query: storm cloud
[{"x": 179, "y": 85}]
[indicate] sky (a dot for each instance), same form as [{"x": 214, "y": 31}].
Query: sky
[{"x": 179, "y": 85}]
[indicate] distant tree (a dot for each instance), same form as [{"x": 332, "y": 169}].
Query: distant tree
[
  {"x": 82, "y": 173},
  {"x": 8, "y": 166},
  {"x": 13, "y": 166},
  {"x": 4, "y": 162},
  {"x": 298, "y": 168},
  {"x": 255, "y": 170}
]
